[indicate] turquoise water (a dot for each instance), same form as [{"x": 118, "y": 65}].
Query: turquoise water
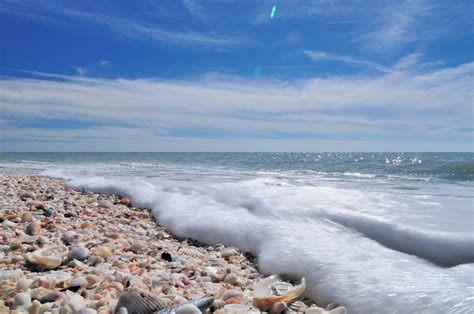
[{"x": 377, "y": 232}]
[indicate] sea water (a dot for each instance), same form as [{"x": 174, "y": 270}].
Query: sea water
[{"x": 376, "y": 232}]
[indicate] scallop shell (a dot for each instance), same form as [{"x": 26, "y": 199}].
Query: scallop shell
[
  {"x": 50, "y": 257},
  {"x": 26, "y": 217},
  {"x": 264, "y": 293},
  {"x": 139, "y": 302},
  {"x": 79, "y": 252},
  {"x": 33, "y": 228}
]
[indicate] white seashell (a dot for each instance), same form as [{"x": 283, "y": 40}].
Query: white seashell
[
  {"x": 77, "y": 282},
  {"x": 24, "y": 238},
  {"x": 236, "y": 309},
  {"x": 50, "y": 257},
  {"x": 69, "y": 236},
  {"x": 21, "y": 300},
  {"x": 187, "y": 309},
  {"x": 60, "y": 276},
  {"x": 43, "y": 240},
  {"x": 79, "y": 252},
  {"x": 137, "y": 301},
  {"x": 23, "y": 284},
  {"x": 317, "y": 310},
  {"x": 11, "y": 274},
  {"x": 76, "y": 303},
  {"x": 9, "y": 224}
]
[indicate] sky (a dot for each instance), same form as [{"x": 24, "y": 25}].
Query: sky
[{"x": 223, "y": 75}]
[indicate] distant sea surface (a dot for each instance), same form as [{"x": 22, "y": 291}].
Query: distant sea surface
[{"x": 376, "y": 232}]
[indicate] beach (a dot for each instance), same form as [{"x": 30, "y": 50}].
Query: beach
[{"x": 73, "y": 251}]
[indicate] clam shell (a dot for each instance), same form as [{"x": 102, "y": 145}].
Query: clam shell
[
  {"x": 77, "y": 282},
  {"x": 50, "y": 257},
  {"x": 33, "y": 228},
  {"x": 79, "y": 252},
  {"x": 139, "y": 302}
]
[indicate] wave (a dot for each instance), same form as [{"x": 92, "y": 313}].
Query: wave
[{"x": 367, "y": 264}]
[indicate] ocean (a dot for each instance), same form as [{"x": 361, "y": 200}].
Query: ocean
[{"x": 375, "y": 232}]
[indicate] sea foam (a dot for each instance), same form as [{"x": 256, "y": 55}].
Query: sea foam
[{"x": 327, "y": 234}]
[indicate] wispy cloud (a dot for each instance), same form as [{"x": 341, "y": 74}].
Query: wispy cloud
[
  {"x": 80, "y": 71},
  {"x": 104, "y": 63},
  {"x": 325, "y": 56},
  {"x": 399, "y": 106},
  {"x": 124, "y": 26},
  {"x": 395, "y": 26}
]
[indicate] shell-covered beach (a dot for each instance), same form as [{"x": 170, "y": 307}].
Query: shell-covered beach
[{"x": 72, "y": 251}]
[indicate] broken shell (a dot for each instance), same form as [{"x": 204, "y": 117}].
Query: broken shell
[
  {"x": 188, "y": 309},
  {"x": 264, "y": 297},
  {"x": 50, "y": 257},
  {"x": 102, "y": 251},
  {"x": 317, "y": 310},
  {"x": 33, "y": 228},
  {"x": 139, "y": 302},
  {"x": 24, "y": 238},
  {"x": 79, "y": 252}
]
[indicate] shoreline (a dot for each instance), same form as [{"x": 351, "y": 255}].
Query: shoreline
[{"x": 117, "y": 247}]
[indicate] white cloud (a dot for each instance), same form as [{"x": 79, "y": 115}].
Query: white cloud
[
  {"x": 397, "y": 25},
  {"x": 324, "y": 56},
  {"x": 104, "y": 63},
  {"x": 80, "y": 71},
  {"x": 431, "y": 106}
]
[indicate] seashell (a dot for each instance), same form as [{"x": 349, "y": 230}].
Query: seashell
[
  {"x": 15, "y": 245},
  {"x": 92, "y": 279},
  {"x": 236, "y": 309},
  {"x": 137, "y": 301},
  {"x": 298, "y": 307},
  {"x": 231, "y": 294},
  {"x": 52, "y": 296},
  {"x": 313, "y": 309},
  {"x": 76, "y": 303},
  {"x": 102, "y": 251},
  {"x": 76, "y": 283},
  {"x": 202, "y": 305},
  {"x": 43, "y": 240},
  {"x": 21, "y": 300},
  {"x": 264, "y": 297},
  {"x": 26, "y": 217},
  {"x": 78, "y": 252},
  {"x": 33, "y": 228},
  {"x": 229, "y": 251},
  {"x": 9, "y": 224},
  {"x": 69, "y": 236},
  {"x": 24, "y": 238},
  {"x": 188, "y": 309},
  {"x": 125, "y": 201},
  {"x": 60, "y": 276},
  {"x": 138, "y": 246},
  {"x": 50, "y": 257},
  {"x": 48, "y": 212},
  {"x": 23, "y": 284},
  {"x": 231, "y": 278}
]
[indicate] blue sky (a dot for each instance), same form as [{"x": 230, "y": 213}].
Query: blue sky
[{"x": 223, "y": 76}]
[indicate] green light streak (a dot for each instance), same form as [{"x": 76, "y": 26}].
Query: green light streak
[{"x": 273, "y": 11}]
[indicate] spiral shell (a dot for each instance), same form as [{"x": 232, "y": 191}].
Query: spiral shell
[
  {"x": 50, "y": 257},
  {"x": 139, "y": 302},
  {"x": 79, "y": 252}
]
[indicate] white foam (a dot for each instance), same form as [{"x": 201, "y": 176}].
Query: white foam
[{"x": 325, "y": 233}]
